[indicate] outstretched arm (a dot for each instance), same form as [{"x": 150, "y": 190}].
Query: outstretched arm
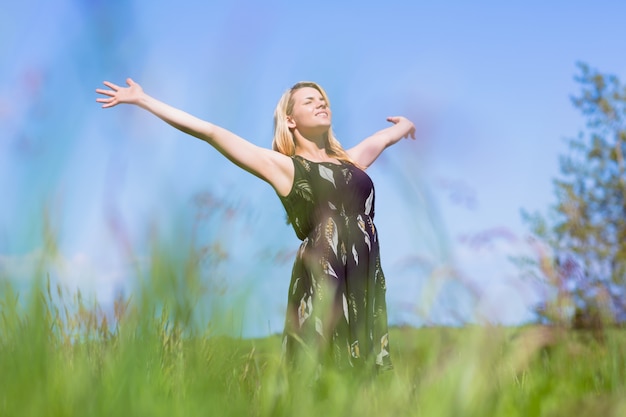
[
  {"x": 271, "y": 166},
  {"x": 366, "y": 152}
]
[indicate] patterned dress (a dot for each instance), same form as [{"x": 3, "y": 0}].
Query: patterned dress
[{"x": 336, "y": 310}]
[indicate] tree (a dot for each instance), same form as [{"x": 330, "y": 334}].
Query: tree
[{"x": 586, "y": 228}]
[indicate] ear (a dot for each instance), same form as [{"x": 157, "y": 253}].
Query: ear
[{"x": 291, "y": 124}]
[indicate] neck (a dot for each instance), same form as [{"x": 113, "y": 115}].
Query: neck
[{"x": 314, "y": 148}]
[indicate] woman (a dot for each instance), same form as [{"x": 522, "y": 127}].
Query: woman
[{"x": 336, "y": 309}]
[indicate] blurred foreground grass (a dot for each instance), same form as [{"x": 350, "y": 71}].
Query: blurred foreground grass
[{"x": 60, "y": 356}]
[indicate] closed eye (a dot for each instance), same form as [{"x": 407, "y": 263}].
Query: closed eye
[{"x": 309, "y": 100}]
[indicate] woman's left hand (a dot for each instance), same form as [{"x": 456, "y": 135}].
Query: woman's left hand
[
  {"x": 407, "y": 128},
  {"x": 132, "y": 94}
]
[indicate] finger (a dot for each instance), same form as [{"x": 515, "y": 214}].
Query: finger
[
  {"x": 111, "y": 85},
  {"x": 105, "y": 92},
  {"x": 110, "y": 104},
  {"x": 130, "y": 81},
  {"x": 393, "y": 120}
]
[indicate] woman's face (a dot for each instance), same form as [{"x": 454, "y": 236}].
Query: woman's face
[{"x": 311, "y": 114}]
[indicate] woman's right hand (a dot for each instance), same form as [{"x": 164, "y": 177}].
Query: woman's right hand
[
  {"x": 273, "y": 167},
  {"x": 118, "y": 95}
]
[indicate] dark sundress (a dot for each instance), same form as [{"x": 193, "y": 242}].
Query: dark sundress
[{"x": 336, "y": 310}]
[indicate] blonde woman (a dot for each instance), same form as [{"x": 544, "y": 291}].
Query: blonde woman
[{"x": 336, "y": 309}]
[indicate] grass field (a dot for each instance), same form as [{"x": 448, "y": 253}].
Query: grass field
[{"x": 59, "y": 356}]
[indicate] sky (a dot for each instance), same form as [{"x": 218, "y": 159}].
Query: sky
[{"x": 86, "y": 192}]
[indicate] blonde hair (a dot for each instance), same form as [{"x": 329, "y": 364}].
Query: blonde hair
[{"x": 283, "y": 137}]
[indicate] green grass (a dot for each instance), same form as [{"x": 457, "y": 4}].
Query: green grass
[{"x": 59, "y": 356}]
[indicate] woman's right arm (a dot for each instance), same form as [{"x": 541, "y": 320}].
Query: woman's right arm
[{"x": 273, "y": 167}]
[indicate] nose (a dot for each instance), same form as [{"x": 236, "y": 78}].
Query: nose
[{"x": 321, "y": 104}]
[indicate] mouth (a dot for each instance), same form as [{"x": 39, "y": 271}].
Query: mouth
[{"x": 322, "y": 113}]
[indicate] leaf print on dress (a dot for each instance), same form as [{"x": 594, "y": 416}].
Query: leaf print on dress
[
  {"x": 355, "y": 255},
  {"x": 305, "y": 164},
  {"x": 379, "y": 277},
  {"x": 327, "y": 174},
  {"x": 354, "y": 350},
  {"x": 331, "y": 235},
  {"x": 302, "y": 249},
  {"x": 347, "y": 175},
  {"x": 354, "y": 304},
  {"x": 319, "y": 327},
  {"x": 306, "y": 306},
  {"x": 361, "y": 224},
  {"x": 295, "y": 286},
  {"x": 303, "y": 189},
  {"x": 384, "y": 349},
  {"x": 328, "y": 270},
  {"x": 368, "y": 203}
]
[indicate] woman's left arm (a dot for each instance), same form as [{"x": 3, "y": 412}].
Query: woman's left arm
[{"x": 366, "y": 152}]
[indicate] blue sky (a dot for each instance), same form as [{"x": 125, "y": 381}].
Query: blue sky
[{"x": 488, "y": 83}]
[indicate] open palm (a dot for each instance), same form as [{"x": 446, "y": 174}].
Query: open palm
[{"x": 118, "y": 95}]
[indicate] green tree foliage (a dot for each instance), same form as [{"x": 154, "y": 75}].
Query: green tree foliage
[{"x": 586, "y": 229}]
